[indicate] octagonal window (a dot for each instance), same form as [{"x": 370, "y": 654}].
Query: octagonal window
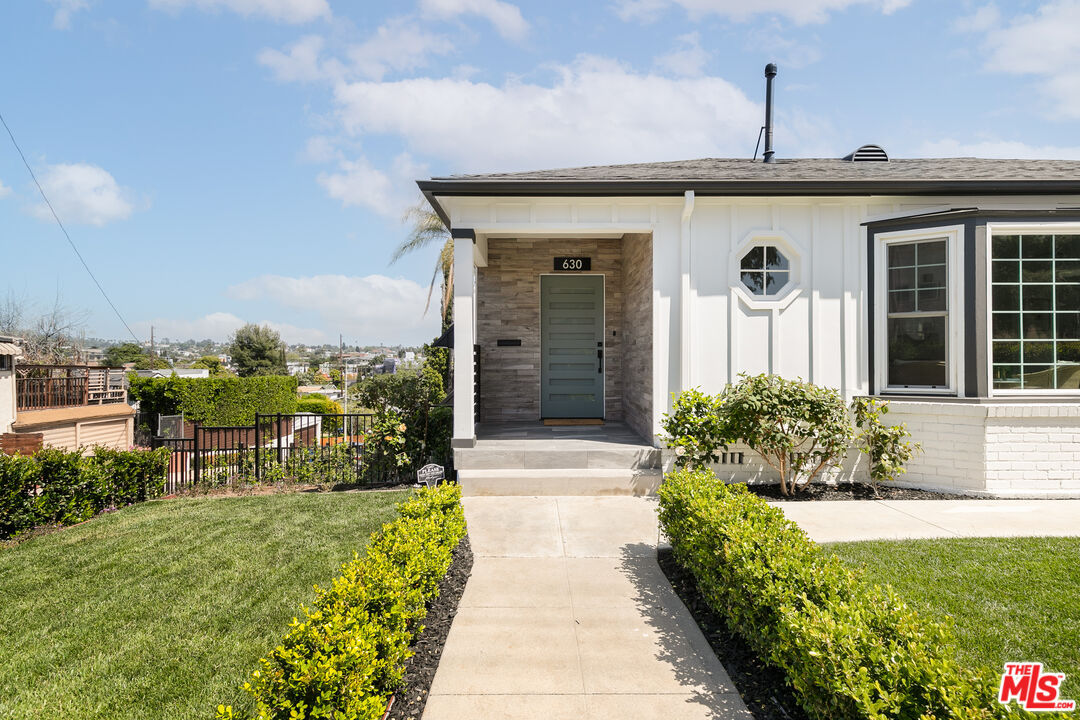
[{"x": 764, "y": 270}]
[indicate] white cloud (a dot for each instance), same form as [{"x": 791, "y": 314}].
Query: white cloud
[
  {"x": 286, "y": 11},
  {"x": 506, "y": 17},
  {"x": 1044, "y": 44},
  {"x": 300, "y": 63},
  {"x": 798, "y": 11},
  {"x": 4, "y": 189},
  {"x": 83, "y": 194},
  {"x": 595, "y": 111},
  {"x": 687, "y": 59},
  {"x": 320, "y": 149},
  {"x": 995, "y": 148},
  {"x": 373, "y": 308},
  {"x": 219, "y": 326},
  {"x": 358, "y": 183},
  {"x": 398, "y": 45},
  {"x": 64, "y": 10},
  {"x": 983, "y": 19}
]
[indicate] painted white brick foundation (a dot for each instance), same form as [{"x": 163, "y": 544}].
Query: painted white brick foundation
[{"x": 1001, "y": 449}]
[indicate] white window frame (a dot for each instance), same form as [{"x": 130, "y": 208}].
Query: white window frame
[
  {"x": 954, "y": 314},
  {"x": 1047, "y": 228}
]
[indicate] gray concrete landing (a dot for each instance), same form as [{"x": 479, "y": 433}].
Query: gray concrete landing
[
  {"x": 529, "y": 458},
  {"x": 568, "y": 615}
]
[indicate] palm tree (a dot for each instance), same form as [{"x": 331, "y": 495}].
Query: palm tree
[{"x": 427, "y": 229}]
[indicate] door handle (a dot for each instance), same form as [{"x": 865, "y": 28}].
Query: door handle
[{"x": 600, "y": 357}]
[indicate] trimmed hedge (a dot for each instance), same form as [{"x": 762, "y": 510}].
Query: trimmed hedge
[
  {"x": 57, "y": 487},
  {"x": 216, "y": 401},
  {"x": 346, "y": 656},
  {"x": 848, "y": 649}
]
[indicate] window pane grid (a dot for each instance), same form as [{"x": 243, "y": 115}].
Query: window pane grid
[
  {"x": 764, "y": 270},
  {"x": 1035, "y": 315},
  {"x": 917, "y": 314}
]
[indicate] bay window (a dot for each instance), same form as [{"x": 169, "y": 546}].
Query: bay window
[{"x": 1035, "y": 310}]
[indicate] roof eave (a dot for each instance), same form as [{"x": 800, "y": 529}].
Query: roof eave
[{"x": 735, "y": 188}]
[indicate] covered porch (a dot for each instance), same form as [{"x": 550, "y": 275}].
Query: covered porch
[{"x": 553, "y": 328}]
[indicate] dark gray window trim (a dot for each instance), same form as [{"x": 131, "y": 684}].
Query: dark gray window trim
[{"x": 974, "y": 220}]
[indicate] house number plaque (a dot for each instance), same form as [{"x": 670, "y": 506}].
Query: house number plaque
[{"x": 572, "y": 264}]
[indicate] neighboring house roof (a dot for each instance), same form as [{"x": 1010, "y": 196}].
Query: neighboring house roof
[
  {"x": 10, "y": 349},
  {"x": 798, "y": 176},
  {"x": 33, "y": 419}
]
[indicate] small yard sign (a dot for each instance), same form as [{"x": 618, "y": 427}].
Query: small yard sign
[
  {"x": 430, "y": 475},
  {"x": 573, "y": 264}
]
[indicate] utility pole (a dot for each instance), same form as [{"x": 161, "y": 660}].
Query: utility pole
[{"x": 151, "y": 346}]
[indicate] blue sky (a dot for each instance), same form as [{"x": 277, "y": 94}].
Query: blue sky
[{"x": 222, "y": 161}]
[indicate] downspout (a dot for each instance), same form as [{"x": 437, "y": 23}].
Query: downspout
[{"x": 684, "y": 293}]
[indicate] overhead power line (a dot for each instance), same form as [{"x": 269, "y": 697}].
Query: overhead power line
[{"x": 64, "y": 230}]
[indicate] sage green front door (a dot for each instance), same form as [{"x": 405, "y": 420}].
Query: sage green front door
[{"x": 572, "y": 346}]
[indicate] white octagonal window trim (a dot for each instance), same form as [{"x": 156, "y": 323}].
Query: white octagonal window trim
[{"x": 767, "y": 269}]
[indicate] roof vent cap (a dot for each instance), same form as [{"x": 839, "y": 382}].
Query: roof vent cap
[{"x": 868, "y": 153}]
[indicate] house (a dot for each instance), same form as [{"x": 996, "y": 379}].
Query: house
[
  {"x": 198, "y": 373},
  {"x": 950, "y": 287},
  {"x": 64, "y": 406},
  {"x": 333, "y": 392},
  {"x": 9, "y": 352}
]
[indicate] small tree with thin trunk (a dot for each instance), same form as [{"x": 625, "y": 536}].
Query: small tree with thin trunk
[{"x": 798, "y": 428}]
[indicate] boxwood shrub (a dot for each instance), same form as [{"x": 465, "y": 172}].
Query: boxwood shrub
[
  {"x": 848, "y": 649},
  {"x": 345, "y": 656},
  {"x": 56, "y": 487}
]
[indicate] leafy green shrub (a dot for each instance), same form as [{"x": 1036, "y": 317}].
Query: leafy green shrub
[
  {"x": 216, "y": 400},
  {"x": 319, "y": 404},
  {"x": 18, "y": 475},
  {"x": 413, "y": 397},
  {"x": 886, "y": 446},
  {"x": 345, "y": 657},
  {"x": 695, "y": 428},
  {"x": 798, "y": 428},
  {"x": 57, "y": 487},
  {"x": 849, "y": 650},
  {"x": 384, "y": 452}
]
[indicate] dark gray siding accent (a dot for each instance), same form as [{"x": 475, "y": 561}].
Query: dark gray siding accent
[
  {"x": 976, "y": 304},
  {"x": 980, "y": 383},
  {"x": 971, "y": 345}
]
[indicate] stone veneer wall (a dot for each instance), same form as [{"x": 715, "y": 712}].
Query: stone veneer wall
[
  {"x": 508, "y": 307},
  {"x": 637, "y": 342}
]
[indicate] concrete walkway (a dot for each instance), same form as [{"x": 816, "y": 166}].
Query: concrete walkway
[
  {"x": 567, "y": 615},
  {"x": 849, "y": 520}
]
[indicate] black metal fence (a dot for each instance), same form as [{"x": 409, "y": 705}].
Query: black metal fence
[{"x": 303, "y": 448}]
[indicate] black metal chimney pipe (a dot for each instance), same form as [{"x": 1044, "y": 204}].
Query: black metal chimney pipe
[{"x": 770, "y": 73}]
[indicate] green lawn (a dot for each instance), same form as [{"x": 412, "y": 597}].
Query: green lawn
[
  {"x": 1012, "y": 598},
  {"x": 162, "y": 609}
]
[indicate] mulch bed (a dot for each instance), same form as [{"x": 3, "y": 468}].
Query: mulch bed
[
  {"x": 420, "y": 669},
  {"x": 854, "y": 491},
  {"x": 761, "y": 686}
]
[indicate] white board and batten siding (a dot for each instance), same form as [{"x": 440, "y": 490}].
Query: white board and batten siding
[{"x": 819, "y": 334}]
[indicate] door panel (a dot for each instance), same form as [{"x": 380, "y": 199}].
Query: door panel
[{"x": 571, "y": 346}]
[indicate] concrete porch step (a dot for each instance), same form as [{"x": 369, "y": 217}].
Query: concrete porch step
[
  {"x": 596, "y": 481},
  {"x": 613, "y": 457}
]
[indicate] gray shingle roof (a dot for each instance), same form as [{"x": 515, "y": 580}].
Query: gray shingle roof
[
  {"x": 730, "y": 170},
  {"x": 788, "y": 177}
]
